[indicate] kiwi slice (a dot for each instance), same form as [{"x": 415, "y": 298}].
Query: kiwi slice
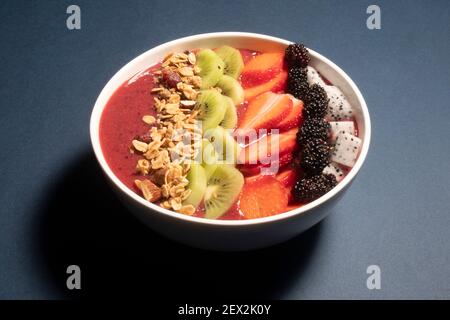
[
  {"x": 230, "y": 119},
  {"x": 209, "y": 158},
  {"x": 210, "y": 169},
  {"x": 197, "y": 184},
  {"x": 222, "y": 191},
  {"x": 231, "y": 88},
  {"x": 212, "y": 107},
  {"x": 211, "y": 67},
  {"x": 226, "y": 147},
  {"x": 233, "y": 60}
]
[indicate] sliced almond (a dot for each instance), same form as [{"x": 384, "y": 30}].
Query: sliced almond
[
  {"x": 190, "y": 93},
  {"x": 139, "y": 145},
  {"x": 188, "y": 103},
  {"x": 138, "y": 183},
  {"x": 186, "y": 71},
  {"x": 157, "y": 89},
  {"x": 149, "y": 119},
  {"x": 150, "y": 191},
  {"x": 179, "y": 57},
  {"x": 192, "y": 58}
]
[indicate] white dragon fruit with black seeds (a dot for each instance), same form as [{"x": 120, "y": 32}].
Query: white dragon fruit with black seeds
[
  {"x": 346, "y": 149},
  {"x": 334, "y": 169},
  {"x": 338, "y": 106},
  {"x": 314, "y": 77},
  {"x": 341, "y": 126}
]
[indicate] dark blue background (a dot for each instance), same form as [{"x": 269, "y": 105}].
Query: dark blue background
[{"x": 56, "y": 208}]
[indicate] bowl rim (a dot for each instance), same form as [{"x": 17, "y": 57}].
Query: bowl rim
[{"x": 99, "y": 107}]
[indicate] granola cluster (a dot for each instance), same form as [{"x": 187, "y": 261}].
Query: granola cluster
[{"x": 174, "y": 137}]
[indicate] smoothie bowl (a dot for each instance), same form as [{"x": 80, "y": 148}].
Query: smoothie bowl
[{"x": 230, "y": 141}]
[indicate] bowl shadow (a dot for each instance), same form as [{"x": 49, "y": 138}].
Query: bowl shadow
[{"x": 83, "y": 223}]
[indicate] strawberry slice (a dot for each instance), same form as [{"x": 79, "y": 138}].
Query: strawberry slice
[
  {"x": 262, "y": 68},
  {"x": 287, "y": 178},
  {"x": 285, "y": 159},
  {"x": 293, "y": 119},
  {"x": 291, "y": 132},
  {"x": 265, "y": 111},
  {"x": 276, "y": 84},
  {"x": 267, "y": 169},
  {"x": 265, "y": 61},
  {"x": 262, "y": 197},
  {"x": 255, "y": 78},
  {"x": 265, "y": 149}
]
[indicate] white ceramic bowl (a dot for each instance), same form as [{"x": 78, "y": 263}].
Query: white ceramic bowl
[{"x": 228, "y": 234}]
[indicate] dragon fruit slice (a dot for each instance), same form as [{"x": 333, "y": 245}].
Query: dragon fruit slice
[
  {"x": 341, "y": 126},
  {"x": 338, "y": 107},
  {"x": 334, "y": 169},
  {"x": 346, "y": 149},
  {"x": 314, "y": 77}
]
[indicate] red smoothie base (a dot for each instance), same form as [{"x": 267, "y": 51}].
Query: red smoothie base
[{"x": 121, "y": 122}]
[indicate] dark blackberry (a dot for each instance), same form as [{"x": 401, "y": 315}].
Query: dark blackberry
[
  {"x": 297, "y": 83},
  {"x": 316, "y": 102},
  {"x": 298, "y": 74},
  {"x": 315, "y": 156},
  {"x": 309, "y": 189},
  {"x": 298, "y": 89},
  {"x": 296, "y": 55},
  {"x": 314, "y": 128}
]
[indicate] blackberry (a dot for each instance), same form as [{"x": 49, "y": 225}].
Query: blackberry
[
  {"x": 309, "y": 189},
  {"x": 297, "y": 83},
  {"x": 298, "y": 89},
  {"x": 298, "y": 74},
  {"x": 314, "y": 128},
  {"x": 296, "y": 55},
  {"x": 315, "y": 156},
  {"x": 316, "y": 102}
]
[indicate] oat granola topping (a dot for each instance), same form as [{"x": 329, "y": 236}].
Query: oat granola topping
[
  {"x": 149, "y": 119},
  {"x": 165, "y": 155}
]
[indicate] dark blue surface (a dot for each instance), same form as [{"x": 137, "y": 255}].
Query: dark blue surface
[{"x": 56, "y": 208}]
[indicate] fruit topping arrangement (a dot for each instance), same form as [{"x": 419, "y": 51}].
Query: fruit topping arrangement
[
  {"x": 240, "y": 134},
  {"x": 327, "y": 148}
]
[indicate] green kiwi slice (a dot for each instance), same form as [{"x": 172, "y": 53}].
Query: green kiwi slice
[
  {"x": 222, "y": 191},
  {"x": 232, "y": 59},
  {"x": 231, "y": 88},
  {"x": 209, "y": 158},
  {"x": 212, "y": 107},
  {"x": 230, "y": 118},
  {"x": 211, "y": 67},
  {"x": 226, "y": 147},
  {"x": 197, "y": 184}
]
